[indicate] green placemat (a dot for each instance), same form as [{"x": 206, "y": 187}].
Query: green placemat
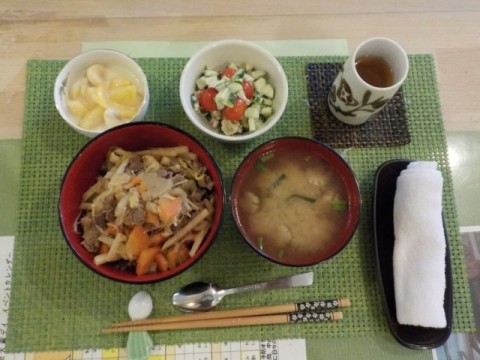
[
  {"x": 57, "y": 303},
  {"x": 9, "y": 174}
]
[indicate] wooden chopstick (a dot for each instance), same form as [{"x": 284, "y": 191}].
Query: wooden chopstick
[
  {"x": 297, "y": 317},
  {"x": 302, "y": 307},
  {"x": 311, "y": 306}
]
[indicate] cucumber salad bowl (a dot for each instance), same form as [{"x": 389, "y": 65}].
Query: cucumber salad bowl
[{"x": 233, "y": 90}]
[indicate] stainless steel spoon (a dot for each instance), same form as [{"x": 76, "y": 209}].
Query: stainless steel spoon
[{"x": 204, "y": 296}]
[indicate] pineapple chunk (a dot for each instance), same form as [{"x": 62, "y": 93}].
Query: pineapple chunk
[
  {"x": 99, "y": 95},
  {"x": 96, "y": 74},
  {"x": 125, "y": 95},
  {"x": 92, "y": 119},
  {"x": 119, "y": 81},
  {"x": 78, "y": 89},
  {"x": 77, "y": 108},
  {"x": 124, "y": 112}
]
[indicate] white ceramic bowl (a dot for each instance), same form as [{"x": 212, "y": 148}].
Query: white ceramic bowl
[
  {"x": 77, "y": 67},
  {"x": 218, "y": 55}
]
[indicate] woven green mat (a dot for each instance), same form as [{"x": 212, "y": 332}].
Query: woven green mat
[{"x": 57, "y": 303}]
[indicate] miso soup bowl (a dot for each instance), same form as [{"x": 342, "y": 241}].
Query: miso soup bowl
[{"x": 315, "y": 159}]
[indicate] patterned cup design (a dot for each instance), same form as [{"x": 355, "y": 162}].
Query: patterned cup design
[{"x": 354, "y": 101}]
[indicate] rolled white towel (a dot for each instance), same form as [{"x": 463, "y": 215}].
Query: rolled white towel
[{"x": 420, "y": 246}]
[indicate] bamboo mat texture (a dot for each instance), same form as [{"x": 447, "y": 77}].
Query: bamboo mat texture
[{"x": 57, "y": 303}]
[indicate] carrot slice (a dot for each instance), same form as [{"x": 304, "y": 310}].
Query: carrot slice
[
  {"x": 168, "y": 208},
  {"x": 152, "y": 218},
  {"x": 137, "y": 241},
  {"x": 162, "y": 264},
  {"x": 183, "y": 254},
  {"x": 172, "y": 258},
  {"x": 146, "y": 259},
  {"x": 136, "y": 180},
  {"x": 103, "y": 248},
  {"x": 157, "y": 239}
]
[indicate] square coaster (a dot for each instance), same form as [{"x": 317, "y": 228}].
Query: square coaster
[{"x": 389, "y": 127}]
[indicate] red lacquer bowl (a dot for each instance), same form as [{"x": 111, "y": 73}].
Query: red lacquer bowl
[
  {"x": 85, "y": 168},
  {"x": 259, "y": 160}
]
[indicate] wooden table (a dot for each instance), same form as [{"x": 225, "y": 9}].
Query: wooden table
[{"x": 55, "y": 30}]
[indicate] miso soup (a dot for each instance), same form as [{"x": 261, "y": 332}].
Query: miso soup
[{"x": 292, "y": 204}]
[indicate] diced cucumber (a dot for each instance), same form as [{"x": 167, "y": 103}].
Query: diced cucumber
[
  {"x": 235, "y": 87},
  {"x": 221, "y": 84},
  {"x": 259, "y": 84},
  {"x": 253, "y": 112},
  {"x": 248, "y": 77},
  {"x": 264, "y": 88},
  {"x": 268, "y": 91},
  {"x": 225, "y": 98},
  {"x": 267, "y": 102},
  {"x": 251, "y": 124},
  {"x": 201, "y": 83},
  {"x": 209, "y": 73},
  {"x": 266, "y": 111},
  {"x": 257, "y": 74},
  {"x": 211, "y": 81}
]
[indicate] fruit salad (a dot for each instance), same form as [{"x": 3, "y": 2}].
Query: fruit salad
[{"x": 104, "y": 97}]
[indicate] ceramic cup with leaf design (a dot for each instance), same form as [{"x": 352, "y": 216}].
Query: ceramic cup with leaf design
[{"x": 369, "y": 79}]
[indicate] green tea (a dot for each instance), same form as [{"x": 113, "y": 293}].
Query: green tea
[{"x": 374, "y": 70}]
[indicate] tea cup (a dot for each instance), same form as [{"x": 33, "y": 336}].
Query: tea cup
[{"x": 369, "y": 79}]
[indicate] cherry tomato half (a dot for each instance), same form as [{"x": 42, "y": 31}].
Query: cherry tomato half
[
  {"x": 206, "y": 99},
  {"x": 248, "y": 89},
  {"x": 229, "y": 72},
  {"x": 235, "y": 113}
]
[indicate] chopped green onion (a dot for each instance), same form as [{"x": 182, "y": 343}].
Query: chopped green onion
[
  {"x": 302, "y": 197},
  {"x": 232, "y": 97},
  {"x": 339, "y": 205},
  {"x": 277, "y": 181},
  {"x": 260, "y": 167},
  {"x": 280, "y": 253},
  {"x": 267, "y": 157}
]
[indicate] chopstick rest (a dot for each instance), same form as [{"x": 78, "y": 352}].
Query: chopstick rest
[
  {"x": 420, "y": 246},
  {"x": 311, "y": 311}
]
